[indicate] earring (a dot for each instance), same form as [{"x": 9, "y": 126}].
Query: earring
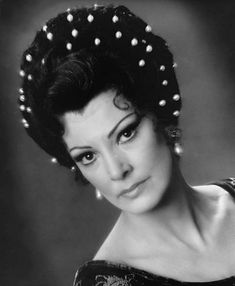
[
  {"x": 98, "y": 194},
  {"x": 178, "y": 149}
]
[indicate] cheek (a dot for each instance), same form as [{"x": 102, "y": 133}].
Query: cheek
[
  {"x": 150, "y": 150},
  {"x": 96, "y": 178}
]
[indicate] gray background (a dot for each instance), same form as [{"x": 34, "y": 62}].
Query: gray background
[{"x": 49, "y": 223}]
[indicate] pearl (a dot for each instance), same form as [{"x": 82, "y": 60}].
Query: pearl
[
  {"x": 90, "y": 18},
  {"x": 73, "y": 169},
  {"x": 162, "y": 102},
  {"x": 50, "y": 36},
  {"x": 162, "y": 68},
  {"x": 69, "y": 46},
  {"x": 68, "y": 10},
  {"x": 178, "y": 149},
  {"x": 22, "y": 73},
  {"x": 70, "y": 17},
  {"x": 118, "y": 35},
  {"x": 148, "y": 28},
  {"x": 21, "y": 91},
  {"x": 115, "y": 19},
  {"x": 149, "y": 49},
  {"x": 26, "y": 125},
  {"x": 22, "y": 107},
  {"x": 44, "y": 28},
  {"x": 24, "y": 121},
  {"x": 28, "y": 58},
  {"x": 97, "y": 41},
  {"x": 30, "y": 77},
  {"x": 165, "y": 83},
  {"x": 54, "y": 160},
  {"x": 134, "y": 42},
  {"x": 176, "y": 97},
  {"x": 28, "y": 109},
  {"x": 98, "y": 195},
  {"x": 176, "y": 113},
  {"x": 141, "y": 63},
  {"x": 74, "y": 33},
  {"x": 43, "y": 61},
  {"x": 175, "y": 65},
  {"x": 22, "y": 98}
]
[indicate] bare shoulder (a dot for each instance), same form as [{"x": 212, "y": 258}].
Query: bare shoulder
[{"x": 217, "y": 196}]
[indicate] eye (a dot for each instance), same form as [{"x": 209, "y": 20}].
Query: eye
[
  {"x": 85, "y": 158},
  {"x": 128, "y": 133}
]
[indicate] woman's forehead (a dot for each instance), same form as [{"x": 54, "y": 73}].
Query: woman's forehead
[{"x": 100, "y": 114}]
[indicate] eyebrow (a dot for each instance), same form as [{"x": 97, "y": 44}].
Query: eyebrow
[{"x": 109, "y": 134}]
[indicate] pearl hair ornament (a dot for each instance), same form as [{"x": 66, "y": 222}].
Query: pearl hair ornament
[
  {"x": 134, "y": 42},
  {"x": 50, "y": 36},
  {"x": 141, "y": 63},
  {"x": 176, "y": 97},
  {"x": 115, "y": 19},
  {"x": 69, "y": 46},
  {"x": 21, "y": 91},
  {"x": 97, "y": 41},
  {"x": 149, "y": 49},
  {"x": 28, "y": 109},
  {"x": 90, "y": 18},
  {"x": 22, "y": 107},
  {"x": 22, "y": 73},
  {"x": 74, "y": 33},
  {"x": 162, "y": 102},
  {"x": 22, "y": 98},
  {"x": 148, "y": 28},
  {"x": 176, "y": 113},
  {"x": 118, "y": 34},
  {"x": 28, "y": 58},
  {"x": 30, "y": 77},
  {"x": 70, "y": 17}
]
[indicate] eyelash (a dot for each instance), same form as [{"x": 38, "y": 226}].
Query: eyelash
[{"x": 132, "y": 127}]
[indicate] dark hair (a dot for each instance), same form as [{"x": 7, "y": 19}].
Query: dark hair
[{"x": 84, "y": 51}]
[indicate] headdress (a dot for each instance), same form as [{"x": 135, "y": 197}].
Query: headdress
[{"x": 96, "y": 29}]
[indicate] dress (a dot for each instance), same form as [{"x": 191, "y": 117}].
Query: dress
[{"x": 105, "y": 273}]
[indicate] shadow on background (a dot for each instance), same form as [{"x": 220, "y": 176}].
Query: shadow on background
[{"x": 50, "y": 224}]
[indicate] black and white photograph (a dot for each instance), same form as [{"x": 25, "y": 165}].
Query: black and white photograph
[{"x": 117, "y": 143}]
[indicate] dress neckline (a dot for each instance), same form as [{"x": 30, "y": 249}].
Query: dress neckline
[{"x": 147, "y": 274}]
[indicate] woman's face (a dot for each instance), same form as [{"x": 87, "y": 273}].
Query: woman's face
[{"x": 119, "y": 153}]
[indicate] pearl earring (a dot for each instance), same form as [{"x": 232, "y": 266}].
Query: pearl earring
[
  {"x": 178, "y": 149},
  {"x": 98, "y": 194}
]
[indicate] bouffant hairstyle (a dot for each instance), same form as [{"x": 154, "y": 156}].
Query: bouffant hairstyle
[{"x": 85, "y": 51}]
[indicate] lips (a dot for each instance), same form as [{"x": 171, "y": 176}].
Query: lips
[{"x": 133, "y": 187}]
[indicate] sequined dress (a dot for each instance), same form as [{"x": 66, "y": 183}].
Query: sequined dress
[{"x": 105, "y": 273}]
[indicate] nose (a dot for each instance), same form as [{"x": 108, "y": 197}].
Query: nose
[{"x": 117, "y": 166}]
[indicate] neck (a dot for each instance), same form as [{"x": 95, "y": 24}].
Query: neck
[{"x": 174, "y": 218}]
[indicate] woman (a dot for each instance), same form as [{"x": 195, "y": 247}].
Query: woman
[{"x": 99, "y": 94}]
